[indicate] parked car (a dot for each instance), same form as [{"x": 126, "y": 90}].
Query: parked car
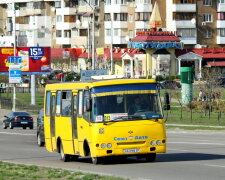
[
  {"x": 40, "y": 128},
  {"x": 18, "y": 119},
  {"x": 54, "y": 74},
  {"x": 169, "y": 84}
]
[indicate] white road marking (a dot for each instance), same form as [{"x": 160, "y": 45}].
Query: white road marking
[
  {"x": 213, "y": 165},
  {"x": 21, "y": 134},
  {"x": 197, "y": 143},
  {"x": 169, "y": 149}
]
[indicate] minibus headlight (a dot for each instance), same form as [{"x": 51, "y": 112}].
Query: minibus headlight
[
  {"x": 152, "y": 143},
  {"x": 158, "y": 142},
  {"x": 103, "y": 145},
  {"x": 109, "y": 145}
]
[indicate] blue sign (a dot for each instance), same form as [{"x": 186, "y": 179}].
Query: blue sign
[
  {"x": 86, "y": 74},
  {"x": 36, "y": 53},
  {"x": 14, "y": 59},
  {"x": 14, "y": 76}
]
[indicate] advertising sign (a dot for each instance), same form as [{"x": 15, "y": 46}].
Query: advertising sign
[{"x": 33, "y": 60}]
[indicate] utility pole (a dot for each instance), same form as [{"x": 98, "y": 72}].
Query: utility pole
[{"x": 14, "y": 46}]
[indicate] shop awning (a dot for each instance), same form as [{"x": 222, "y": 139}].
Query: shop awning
[{"x": 218, "y": 63}]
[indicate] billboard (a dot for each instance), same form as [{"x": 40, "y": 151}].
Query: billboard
[{"x": 35, "y": 60}]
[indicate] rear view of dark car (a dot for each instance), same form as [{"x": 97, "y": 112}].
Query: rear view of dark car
[
  {"x": 18, "y": 119},
  {"x": 40, "y": 128}
]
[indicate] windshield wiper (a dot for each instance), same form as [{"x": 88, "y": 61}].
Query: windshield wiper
[{"x": 127, "y": 118}]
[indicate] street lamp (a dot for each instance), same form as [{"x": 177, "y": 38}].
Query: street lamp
[{"x": 93, "y": 35}]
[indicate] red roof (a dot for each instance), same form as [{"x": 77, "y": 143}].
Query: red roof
[
  {"x": 218, "y": 63},
  {"x": 206, "y": 53},
  {"x": 155, "y": 38},
  {"x": 58, "y": 52},
  {"x": 117, "y": 53}
]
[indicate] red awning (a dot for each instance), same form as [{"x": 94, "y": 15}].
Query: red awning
[{"x": 218, "y": 63}]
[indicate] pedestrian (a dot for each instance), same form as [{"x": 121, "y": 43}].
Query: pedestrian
[
  {"x": 200, "y": 95},
  {"x": 218, "y": 94}
]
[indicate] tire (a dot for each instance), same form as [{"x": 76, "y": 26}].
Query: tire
[
  {"x": 64, "y": 157},
  {"x": 4, "y": 125},
  {"x": 31, "y": 127},
  {"x": 24, "y": 127},
  {"x": 96, "y": 160},
  {"x": 150, "y": 157},
  {"x": 39, "y": 142},
  {"x": 10, "y": 126}
]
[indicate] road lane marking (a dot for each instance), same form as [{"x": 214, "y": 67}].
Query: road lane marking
[
  {"x": 197, "y": 143},
  {"x": 170, "y": 149},
  {"x": 213, "y": 165},
  {"x": 21, "y": 134}
]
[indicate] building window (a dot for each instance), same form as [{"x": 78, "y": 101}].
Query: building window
[
  {"x": 58, "y": 18},
  {"x": 221, "y": 32},
  {"x": 184, "y": 1},
  {"x": 131, "y": 33},
  {"x": 207, "y": 2},
  {"x": 57, "y": 4},
  {"x": 142, "y": 16},
  {"x": 120, "y": 17},
  {"x": 221, "y": 16},
  {"x": 207, "y": 17},
  {"x": 116, "y": 32},
  {"x": 108, "y": 32},
  {"x": 41, "y": 34},
  {"x": 221, "y": 1},
  {"x": 58, "y": 33},
  {"x": 107, "y": 17},
  {"x": 179, "y": 16},
  {"x": 74, "y": 33},
  {"x": 108, "y": 2},
  {"x": 67, "y": 33},
  {"x": 131, "y": 17},
  {"x": 187, "y": 32},
  {"x": 208, "y": 33},
  {"x": 121, "y": 2}
]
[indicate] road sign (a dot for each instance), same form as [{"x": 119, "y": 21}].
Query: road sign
[
  {"x": 14, "y": 74},
  {"x": 14, "y": 59}
]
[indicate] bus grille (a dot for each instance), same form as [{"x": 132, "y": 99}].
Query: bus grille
[{"x": 131, "y": 143}]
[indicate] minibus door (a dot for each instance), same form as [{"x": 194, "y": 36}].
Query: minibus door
[
  {"x": 74, "y": 122},
  {"x": 52, "y": 120}
]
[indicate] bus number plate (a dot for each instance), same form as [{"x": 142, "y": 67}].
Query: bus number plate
[{"x": 131, "y": 150}]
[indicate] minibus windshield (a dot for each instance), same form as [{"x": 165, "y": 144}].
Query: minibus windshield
[{"x": 123, "y": 107}]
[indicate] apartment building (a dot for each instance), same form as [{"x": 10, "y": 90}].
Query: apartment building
[{"x": 71, "y": 23}]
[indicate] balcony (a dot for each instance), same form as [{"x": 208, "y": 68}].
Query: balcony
[
  {"x": 183, "y": 24},
  {"x": 65, "y": 11},
  {"x": 142, "y": 24},
  {"x": 143, "y": 8},
  {"x": 116, "y": 8},
  {"x": 220, "y": 23},
  {"x": 116, "y": 24},
  {"x": 220, "y": 40},
  {"x": 116, "y": 40},
  {"x": 79, "y": 41},
  {"x": 62, "y": 40},
  {"x": 190, "y": 40},
  {"x": 184, "y": 8},
  {"x": 221, "y": 7},
  {"x": 63, "y": 25},
  {"x": 32, "y": 12}
]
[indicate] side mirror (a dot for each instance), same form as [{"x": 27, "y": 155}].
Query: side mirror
[
  {"x": 88, "y": 104},
  {"x": 166, "y": 101},
  {"x": 6, "y": 116}
]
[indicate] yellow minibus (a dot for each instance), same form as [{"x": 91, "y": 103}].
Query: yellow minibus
[{"x": 103, "y": 118}]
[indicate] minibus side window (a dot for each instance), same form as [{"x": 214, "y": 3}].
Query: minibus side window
[
  {"x": 66, "y": 103},
  {"x": 86, "y": 113},
  {"x": 47, "y": 108},
  {"x": 80, "y": 104},
  {"x": 58, "y": 103}
]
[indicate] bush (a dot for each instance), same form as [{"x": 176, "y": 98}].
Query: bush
[{"x": 71, "y": 77}]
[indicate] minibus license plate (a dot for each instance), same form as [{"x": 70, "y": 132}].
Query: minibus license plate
[
  {"x": 23, "y": 122},
  {"x": 131, "y": 150}
]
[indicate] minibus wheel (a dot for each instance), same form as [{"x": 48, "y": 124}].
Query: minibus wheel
[
  {"x": 150, "y": 157},
  {"x": 96, "y": 160},
  {"x": 64, "y": 157}
]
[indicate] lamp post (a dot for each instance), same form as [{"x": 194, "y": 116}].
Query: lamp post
[
  {"x": 14, "y": 46},
  {"x": 93, "y": 34}
]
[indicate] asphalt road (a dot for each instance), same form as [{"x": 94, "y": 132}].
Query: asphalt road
[{"x": 190, "y": 155}]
